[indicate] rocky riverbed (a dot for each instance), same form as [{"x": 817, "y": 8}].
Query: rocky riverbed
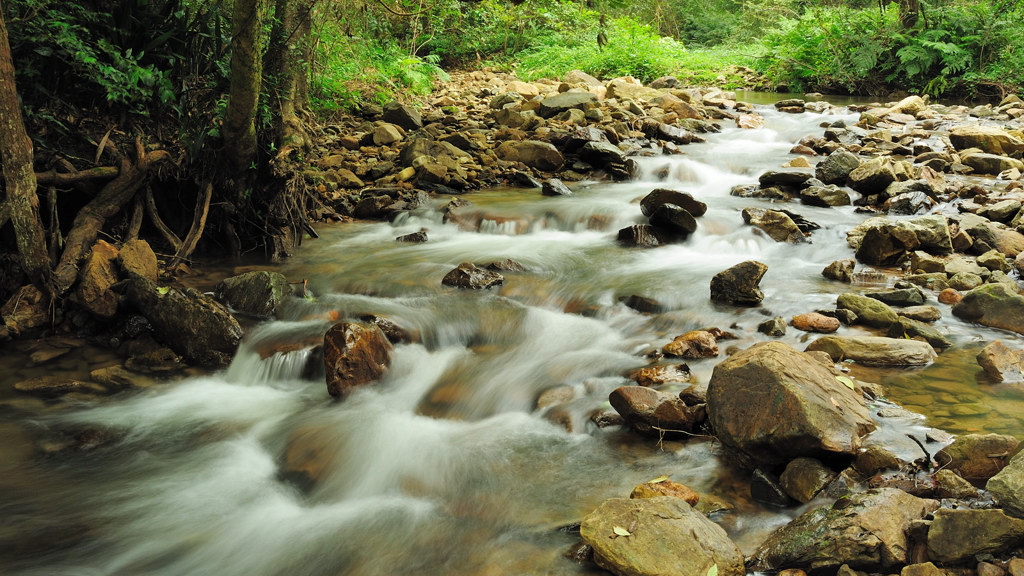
[{"x": 939, "y": 189}]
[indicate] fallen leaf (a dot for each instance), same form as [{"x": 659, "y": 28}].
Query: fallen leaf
[
  {"x": 836, "y": 404},
  {"x": 713, "y": 571},
  {"x": 849, "y": 383},
  {"x": 658, "y": 480},
  {"x": 161, "y": 290},
  {"x": 620, "y": 531}
]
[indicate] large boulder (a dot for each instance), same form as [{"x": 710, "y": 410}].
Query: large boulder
[
  {"x": 662, "y": 536},
  {"x": 875, "y": 350},
  {"x": 1002, "y": 363},
  {"x": 623, "y": 88},
  {"x": 995, "y": 305},
  {"x": 258, "y": 293},
  {"x": 866, "y": 531},
  {"x": 778, "y": 225},
  {"x": 558, "y": 103},
  {"x": 137, "y": 257},
  {"x": 1007, "y": 487},
  {"x": 654, "y": 413},
  {"x": 773, "y": 403},
  {"x": 883, "y": 242},
  {"x": 468, "y": 275},
  {"x": 739, "y": 284},
  {"x": 991, "y": 163},
  {"x": 98, "y": 275},
  {"x": 957, "y": 536},
  {"x": 989, "y": 139},
  {"x": 533, "y": 153},
  {"x": 873, "y": 176},
  {"x": 673, "y": 220},
  {"x": 403, "y": 115},
  {"x": 355, "y": 354},
  {"x": 978, "y": 457},
  {"x": 869, "y": 311},
  {"x": 836, "y": 167},
  {"x": 190, "y": 322},
  {"x": 661, "y": 196}
]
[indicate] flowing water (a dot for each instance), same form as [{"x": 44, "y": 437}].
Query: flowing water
[{"x": 445, "y": 466}]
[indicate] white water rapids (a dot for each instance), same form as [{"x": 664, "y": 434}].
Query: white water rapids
[{"x": 445, "y": 466}]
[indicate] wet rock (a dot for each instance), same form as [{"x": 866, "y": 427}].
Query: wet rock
[
  {"x": 950, "y": 485},
  {"x": 394, "y": 332},
  {"x": 994, "y": 305},
  {"x": 765, "y": 488},
  {"x": 841, "y": 270},
  {"x": 815, "y": 322},
  {"x": 978, "y": 457},
  {"x": 912, "y": 296},
  {"x": 884, "y": 242},
  {"x": 642, "y": 304},
  {"x": 413, "y": 238},
  {"x": 776, "y": 224},
  {"x": 989, "y": 139},
  {"x": 923, "y": 569},
  {"x": 917, "y": 330},
  {"x": 991, "y": 164},
  {"x": 54, "y": 386},
  {"x": 656, "y": 376},
  {"x": 654, "y": 413},
  {"x": 872, "y": 176},
  {"x": 403, "y": 115},
  {"x": 993, "y": 260},
  {"x": 773, "y": 403},
  {"x": 558, "y": 103},
  {"x": 98, "y": 274},
  {"x": 674, "y": 220},
  {"x": 775, "y": 327},
  {"x": 693, "y": 344},
  {"x": 602, "y": 153},
  {"x": 533, "y": 153},
  {"x": 794, "y": 177},
  {"x": 925, "y": 313},
  {"x": 825, "y": 196},
  {"x": 257, "y": 293},
  {"x": 191, "y": 323},
  {"x": 355, "y": 354},
  {"x": 1007, "y": 487},
  {"x": 869, "y": 311},
  {"x": 875, "y": 350},
  {"x": 555, "y": 187},
  {"x": 957, "y": 536},
  {"x": 666, "y": 537},
  {"x": 468, "y": 275},
  {"x": 804, "y": 478},
  {"x": 137, "y": 257},
  {"x": 665, "y": 487},
  {"x": 965, "y": 281},
  {"x": 836, "y": 167},
  {"x": 642, "y": 235},
  {"x": 866, "y": 531},
  {"x": 1002, "y": 363},
  {"x": 661, "y": 196},
  {"x": 873, "y": 459},
  {"x": 739, "y": 284}
]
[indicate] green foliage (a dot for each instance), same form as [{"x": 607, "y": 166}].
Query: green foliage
[{"x": 633, "y": 49}]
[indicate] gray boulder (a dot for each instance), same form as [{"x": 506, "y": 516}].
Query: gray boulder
[
  {"x": 875, "y": 350},
  {"x": 995, "y": 305},
  {"x": 558, "y": 103},
  {"x": 661, "y": 536},
  {"x": 661, "y": 196},
  {"x": 957, "y": 536},
  {"x": 1007, "y": 487},
  {"x": 403, "y": 115},
  {"x": 739, "y": 284},
  {"x": 836, "y": 167},
  {"x": 257, "y": 293},
  {"x": 869, "y": 311},
  {"x": 533, "y": 153},
  {"x": 866, "y": 531},
  {"x": 772, "y": 403}
]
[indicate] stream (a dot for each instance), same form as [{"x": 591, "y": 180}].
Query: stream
[{"x": 447, "y": 466}]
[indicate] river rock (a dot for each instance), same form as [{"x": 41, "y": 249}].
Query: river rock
[
  {"x": 137, "y": 257},
  {"x": 468, "y": 275},
  {"x": 654, "y": 413},
  {"x": 875, "y": 350},
  {"x": 978, "y": 457},
  {"x": 957, "y": 536},
  {"x": 355, "y": 354},
  {"x": 924, "y": 313},
  {"x": 803, "y": 478},
  {"x": 774, "y": 327},
  {"x": 872, "y": 176},
  {"x": 642, "y": 235},
  {"x": 554, "y": 187},
  {"x": 739, "y": 284},
  {"x": 558, "y": 103},
  {"x": 533, "y": 153},
  {"x": 661, "y": 196},
  {"x": 989, "y": 139},
  {"x": 190, "y": 322},
  {"x": 403, "y": 115},
  {"x": 98, "y": 274},
  {"x": 949, "y": 484},
  {"x": 54, "y": 386},
  {"x": 869, "y": 311},
  {"x": 674, "y": 220},
  {"x": 602, "y": 153},
  {"x": 815, "y": 322},
  {"x": 995, "y": 305},
  {"x": 917, "y": 330},
  {"x": 825, "y": 196},
  {"x": 1002, "y": 363},
  {"x": 664, "y": 487},
  {"x": 795, "y": 177},
  {"x": 666, "y": 537},
  {"x": 883, "y": 242},
  {"x": 991, "y": 164},
  {"x": 773, "y": 403},
  {"x": 993, "y": 260},
  {"x": 765, "y": 488},
  {"x": 866, "y": 531},
  {"x": 840, "y": 270},
  {"x": 656, "y": 376},
  {"x": 1007, "y": 487},
  {"x": 775, "y": 223},
  {"x": 836, "y": 167},
  {"x": 911, "y": 296},
  {"x": 444, "y": 152},
  {"x": 693, "y": 344},
  {"x": 257, "y": 293}
]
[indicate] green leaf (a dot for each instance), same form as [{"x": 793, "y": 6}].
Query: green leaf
[
  {"x": 620, "y": 531},
  {"x": 849, "y": 383},
  {"x": 161, "y": 290},
  {"x": 713, "y": 571},
  {"x": 658, "y": 480}
]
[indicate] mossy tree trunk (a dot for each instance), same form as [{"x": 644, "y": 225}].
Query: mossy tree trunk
[
  {"x": 239, "y": 130},
  {"x": 285, "y": 70},
  {"x": 21, "y": 204}
]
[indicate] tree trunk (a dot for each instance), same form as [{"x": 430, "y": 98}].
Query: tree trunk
[
  {"x": 285, "y": 69},
  {"x": 910, "y": 11},
  {"x": 239, "y": 130},
  {"x": 21, "y": 203}
]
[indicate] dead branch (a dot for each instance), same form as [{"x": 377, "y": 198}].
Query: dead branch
[
  {"x": 52, "y": 177},
  {"x": 195, "y": 232},
  {"x": 154, "y": 217}
]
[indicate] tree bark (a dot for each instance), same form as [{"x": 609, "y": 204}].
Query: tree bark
[
  {"x": 284, "y": 69},
  {"x": 239, "y": 130},
  {"x": 21, "y": 203}
]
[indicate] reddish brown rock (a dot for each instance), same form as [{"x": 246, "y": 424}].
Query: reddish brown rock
[
  {"x": 137, "y": 257},
  {"x": 355, "y": 354},
  {"x": 978, "y": 457},
  {"x": 950, "y": 296},
  {"x": 693, "y": 344},
  {"x": 97, "y": 276},
  {"x": 654, "y": 376},
  {"x": 815, "y": 322},
  {"x": 664, "y": 487}
]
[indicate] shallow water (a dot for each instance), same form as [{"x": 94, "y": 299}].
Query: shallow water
[{"x": 445, "y": 466}]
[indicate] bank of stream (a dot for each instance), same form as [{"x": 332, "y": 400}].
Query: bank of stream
[{"x": 447, "y": 466}]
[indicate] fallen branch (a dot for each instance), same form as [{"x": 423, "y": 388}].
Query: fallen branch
[
  {"x": 195, "y": 232},
  {"x": 54, "y": 178}
]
